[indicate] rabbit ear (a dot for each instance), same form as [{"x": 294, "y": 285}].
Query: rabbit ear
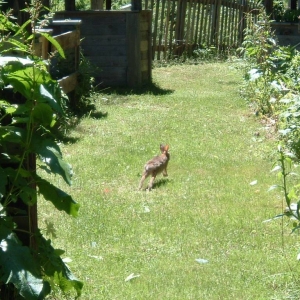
[{"x": 164, "y": 148}]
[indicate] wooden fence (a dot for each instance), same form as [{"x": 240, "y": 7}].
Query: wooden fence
[{"x": 186, "y": 25}]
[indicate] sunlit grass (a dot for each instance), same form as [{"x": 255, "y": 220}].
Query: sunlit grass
[{"x": 205, "y": 209}]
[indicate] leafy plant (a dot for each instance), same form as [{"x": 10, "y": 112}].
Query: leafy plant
[
  {"x": 286, "y": 170},
  {"x": 272, "y": 84},
  {"x": 282, "y": 14},
  {"x": 278, "y": 10},
  {"x": 30, "y": 104},
  {"x": 291, "y": 15},
  {"x": 272, "y": 70}
]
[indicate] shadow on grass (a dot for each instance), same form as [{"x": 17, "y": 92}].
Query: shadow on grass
[
  {"x": 68, "y": 140},
  {"x": 160, "y": 182},
  {"x": 232, "y": 82},
  {"x": 88, "y": 110},
  {"x": 150, "y": 88},
  {"x": 97, "y": 115}
]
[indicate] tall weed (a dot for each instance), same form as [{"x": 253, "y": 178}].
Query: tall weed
[{"x": 272, "y": 87}]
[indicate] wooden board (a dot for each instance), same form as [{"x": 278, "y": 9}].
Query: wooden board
[
  {"x": 68, "y": 83},
  {"x": 68, "y": 40}
]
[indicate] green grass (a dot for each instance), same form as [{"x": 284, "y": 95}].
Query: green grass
[{"x": 205, "y": 209}]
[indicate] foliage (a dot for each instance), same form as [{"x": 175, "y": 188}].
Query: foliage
[
  {"x": 281, "y": 14},
  {"x": 272, "y": 70},
  {"x": 30, "y": 104},
  {"x": 278, "y": 10},
  {"x": 291, "y": 15},
  {"x": 85, "y": 89},
  {"x": 286, "y": 169},
  {"x": 272, "y": 86}
]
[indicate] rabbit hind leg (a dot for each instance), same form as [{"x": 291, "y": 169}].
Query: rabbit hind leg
[
  {"x": 150, "y": 185},
  {"x": 144, "y": 176},
  {"x": 165, "y": 173}
]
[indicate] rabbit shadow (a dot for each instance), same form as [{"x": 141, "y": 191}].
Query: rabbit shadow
[{"x": 158, "y": 183}]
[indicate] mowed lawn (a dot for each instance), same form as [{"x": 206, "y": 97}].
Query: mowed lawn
[{"x": 199, "y": 234}]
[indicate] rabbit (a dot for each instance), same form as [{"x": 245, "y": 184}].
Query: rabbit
[{"x": 155, "y": 166}]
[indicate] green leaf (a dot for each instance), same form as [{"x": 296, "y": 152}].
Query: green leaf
[
  {"x": 56, "y": 268},
  {"x": 3, "y": 182},
  {"x": 20, "y": 46},
  {"x": 20, "y": 120},
  {"x": 48, "y": 96},
  {"x": 9, "y": 108},
  {"x": 42, "y": 114},
  {"x": 25, "y": 79},
  {"x": 23, "y": 27},
  {"x": 6, "y": 25},
  {"x": 49, "y": 153},
  {"x": 19, "y": 268},
  {"x": 59, "y": 198},
  {"x": 12, "y": 134},
  {"x": 66, "y": 281},
  {"x": 28, "y": 195},
  {"x": 54, "y": 43},
  {"x": 21, "y": 81}
]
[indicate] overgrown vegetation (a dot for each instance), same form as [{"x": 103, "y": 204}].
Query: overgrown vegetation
[
  {"x": 273, "y": 89},
  {"x": 281, "y": 13},
  {"x": 31, "y": 103}
]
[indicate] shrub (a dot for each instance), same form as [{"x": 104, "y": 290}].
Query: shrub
[{"x": 31, "y": 102}]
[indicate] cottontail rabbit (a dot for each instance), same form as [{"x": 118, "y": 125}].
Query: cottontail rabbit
[{"x": 155, "y": 166}]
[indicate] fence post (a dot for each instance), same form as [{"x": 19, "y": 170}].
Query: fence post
[
  {"x": 108, "y": 4},
  {"x": 70, "y": 5},
  {"x": 242, "y": 21},
  {"x": 216, "y": 23},
  {"x": 136, "y": 5},
  {"x": 180, "y": 23}
]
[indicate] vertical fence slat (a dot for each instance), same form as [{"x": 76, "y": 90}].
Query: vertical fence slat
[
  {"x": 167, "y": 29},
  {"x": 221, "y": 32},
  {"x": 231, "y": 22},
  {"x": 217, "y": 9},
  {"x": 146, "y": 6},
  {"x": 155, "y": 30},
  {"x": 197, "y": 3},
  {"x": 161, "y": 24},
  {"x": 180, "y": 25},
  {"x": 187, "y": 35},
  {"x": 192, "y": 38},
  {"x": 172, "y": 29},
  {"x": 225, "y": 23},
  {"x": 180, "y": 21},
  {"x": 202, "y": 23}
]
